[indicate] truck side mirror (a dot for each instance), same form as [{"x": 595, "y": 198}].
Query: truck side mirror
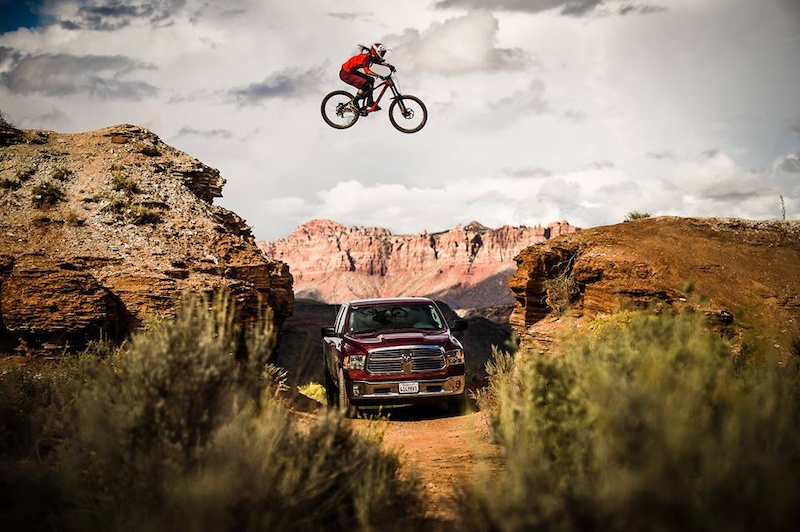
[
  {"x": 328, "y": 331},
  {"x": 459, "y": 325}
]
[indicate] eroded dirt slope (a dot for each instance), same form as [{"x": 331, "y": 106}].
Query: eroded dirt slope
[
  {"x": 99, "y": 230},
  {"x": 745, "y": 275}
]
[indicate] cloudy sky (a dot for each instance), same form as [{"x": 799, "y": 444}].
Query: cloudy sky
[{"x": 539, "y": 110}]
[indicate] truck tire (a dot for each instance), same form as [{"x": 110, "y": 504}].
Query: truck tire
[
  {"x": 345, "y": 406},
  {"x": 330, "y": 391},
  {"x": 457, "y": 405}
]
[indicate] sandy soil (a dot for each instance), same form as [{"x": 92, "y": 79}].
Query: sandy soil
[{"x": 445, "y": 451}]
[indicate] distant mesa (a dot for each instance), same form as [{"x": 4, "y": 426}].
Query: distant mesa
[{"x": 466, "y": 267}]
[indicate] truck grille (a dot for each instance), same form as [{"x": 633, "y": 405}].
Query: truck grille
[{"x": 413, "y": 359}]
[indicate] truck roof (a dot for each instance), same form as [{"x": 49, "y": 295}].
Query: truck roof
[{"x": 389, "y": 301}]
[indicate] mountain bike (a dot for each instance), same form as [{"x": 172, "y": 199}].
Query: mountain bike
[{"x": 406, "y": 113}]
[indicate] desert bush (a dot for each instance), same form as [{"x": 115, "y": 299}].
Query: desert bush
[
  {"x": 71, "y": 218},
  {"x": 10, "y": 184},
  {"x": 261, "y": 473},
  {"x": 19, "y": 394},
  {"x": 136, "y": 214},
  {"x": 636, "y": 215},
  {"x": 646, "y": 424},
  {"x": 37, "y": 407},
  {"x": 61, "y": 173},
  {"x": 5, "y": 123},
  {"x": 47, "y": 193},
  {"x": 140, "y": 215},
  {"x": 116, "y": 205},
  {"x": 499, "y": 372},
  {"x": 122, "y": 183},
  {"x": 561, "y": 289},
  {"x": 26, "y": 173},
  {"x": 183, "y": 427},
  {"x": 313, "y": 390}
]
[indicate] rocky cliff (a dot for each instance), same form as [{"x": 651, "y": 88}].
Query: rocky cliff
[
  {"x": 466, "y": 267},
  {"x": 100, "y": 230},
  {"x": 745, "y": 275}
]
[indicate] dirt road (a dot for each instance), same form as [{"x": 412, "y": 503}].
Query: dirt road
[{"x": 444, "y": 451}]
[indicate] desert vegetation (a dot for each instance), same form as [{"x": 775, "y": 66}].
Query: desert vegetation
[
  {"x": 642, "y": 422},
  {"x": 183, "y": 427},
  {"x": 47, "y": 194},
  {"x": 121, "y": 202},
  {"x": 636, "y": 215}
]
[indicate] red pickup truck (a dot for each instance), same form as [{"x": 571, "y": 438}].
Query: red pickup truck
[{"x": 393, "y": 351}]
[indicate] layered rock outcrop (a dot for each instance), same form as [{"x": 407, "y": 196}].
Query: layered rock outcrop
[
  {"x": 100, "y": 230},
  {"x": 745, "y": 275},
  {"x": 467, "y": 267}
]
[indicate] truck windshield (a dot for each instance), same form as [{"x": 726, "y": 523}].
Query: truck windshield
[{"x": 391, "y": 317}]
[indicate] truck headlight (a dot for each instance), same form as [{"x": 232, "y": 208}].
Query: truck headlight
[
  {"x": 456, "y": 356},
  {"x": 355, "y": 361}
]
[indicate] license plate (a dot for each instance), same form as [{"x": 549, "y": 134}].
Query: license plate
[{"x": 408, "y": 387}]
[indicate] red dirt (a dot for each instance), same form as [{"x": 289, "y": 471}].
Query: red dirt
[{"x": 445, "y": 452}]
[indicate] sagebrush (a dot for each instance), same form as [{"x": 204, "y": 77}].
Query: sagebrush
[
  {"x": 183, "y": 428},
  {"x": 648, "y": 425}
]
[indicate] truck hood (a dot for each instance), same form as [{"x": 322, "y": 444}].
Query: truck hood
[{"x": 390, "y": 339}]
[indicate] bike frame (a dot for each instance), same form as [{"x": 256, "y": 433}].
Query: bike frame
[{"x": 388, "y": 83}]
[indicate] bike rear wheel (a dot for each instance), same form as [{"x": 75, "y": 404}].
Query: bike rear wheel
[
  {"x": 408, "y": 114},
  {"x": 338, "y": 111}
]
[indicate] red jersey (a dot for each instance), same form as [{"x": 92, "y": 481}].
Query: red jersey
[{"x": 357, "y": 61}]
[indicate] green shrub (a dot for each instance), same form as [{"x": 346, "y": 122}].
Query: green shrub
[
  {"x": 10, "y": 184},
  {"x": 183, "y": 428},
  {"x": 117, "y": 205},
  {"x": 636, "y": 215},
  {"x": 132, "y": 213},
  {"x": 71, "y": 218},
  {"x": 560, "y": 291},
  {"x": 26, "y": 174},
  {"x": 60, "y": 173},
  {"x": 315, "y": 391},
  {"x": 140, "y": 215},
  {"x": 123, "y": 183},
  {"x": 47, "y": 194},
  {"x": 652, "y": 425}
]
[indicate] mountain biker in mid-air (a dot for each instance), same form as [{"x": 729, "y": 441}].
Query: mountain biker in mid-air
[{"x": 361, "y": 80}]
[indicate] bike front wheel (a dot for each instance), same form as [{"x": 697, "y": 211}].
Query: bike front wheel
[
  {"x": 338, "y": 110},
  {"x": 408, "y": 114}
]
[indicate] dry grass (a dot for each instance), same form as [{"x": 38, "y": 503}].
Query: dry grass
[{"x": 649, "y": 423}]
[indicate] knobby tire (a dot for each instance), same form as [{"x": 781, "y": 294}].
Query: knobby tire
[
  {"x": 328, "y": 109},
  {"x": 410, "y": 124}
]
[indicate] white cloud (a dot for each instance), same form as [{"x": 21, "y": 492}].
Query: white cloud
[
  {"x": 456, "y": 46},
  {"x": 717, "y": 177},
  {"x": 61, "y": 75},
  {"x": 534, "y": 116}
]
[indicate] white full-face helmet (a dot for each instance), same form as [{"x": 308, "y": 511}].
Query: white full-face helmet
[{"x": 378, "y": 50}]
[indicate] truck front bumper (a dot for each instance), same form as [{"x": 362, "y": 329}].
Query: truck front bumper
[{"x": 428, "y": 388}]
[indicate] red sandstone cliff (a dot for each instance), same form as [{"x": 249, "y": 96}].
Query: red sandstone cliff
[
  {"x": 100, "y": 230},
  {"x": 745, "y": 275},
  {"x": 467, "y": 266}
]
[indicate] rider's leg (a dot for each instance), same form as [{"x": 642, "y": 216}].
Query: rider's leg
[
  {"x": 357, "y": 80},
  {"x": 367, "y": 89}
]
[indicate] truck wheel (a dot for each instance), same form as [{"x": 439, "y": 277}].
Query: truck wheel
[
  {"x": 345, "y": 406},
  {"x": 330, "y": 391},
  {"x": 457, "y": 405}
]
